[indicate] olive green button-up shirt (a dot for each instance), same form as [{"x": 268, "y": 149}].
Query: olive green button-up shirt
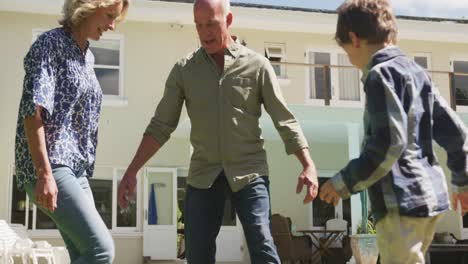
[{"x": 224, "y": 107}]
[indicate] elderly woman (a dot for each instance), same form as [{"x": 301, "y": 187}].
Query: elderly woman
[{"x": 58, "y": 124}]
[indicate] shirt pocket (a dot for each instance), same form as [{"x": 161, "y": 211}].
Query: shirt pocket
[{"x": 241, "y": 91}]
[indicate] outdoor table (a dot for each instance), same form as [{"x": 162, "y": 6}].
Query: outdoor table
[
  {"x": 461, "y": 249},
  {"x": 323, "y": 244}
]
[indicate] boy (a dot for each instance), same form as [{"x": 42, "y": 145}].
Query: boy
[{"x": 403, "y": 114}]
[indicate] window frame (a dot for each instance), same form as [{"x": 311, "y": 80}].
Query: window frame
[
  {"x": 282, "y": 57},
  {"x": 334, "y": 75},
  {"x": 115, "y": 179},
  {"x": 107, "y": 100},
  {"x": 310, "y": 208},
  {"x": 453, "y": 58},
  {"x": 54, "y": 233},
  {"x": 428, "y": 57},
  {"x": 464, "y": 230},
  {"x": 120, "y": 99}
]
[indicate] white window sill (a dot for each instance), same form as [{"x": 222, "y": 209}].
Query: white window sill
[
  {"x": 127, "y": 234},
  {"x": 284, "y": 81},
  {"x": 462, "y": 109},
  {"x": 334, "y": 104},
  {"x": 115, "y": 102},
  {"x": 34, "y": 234},
  {"x": 347, "y": 104}
]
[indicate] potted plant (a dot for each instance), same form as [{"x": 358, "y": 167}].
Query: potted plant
[{"x": 364, "y": 243}]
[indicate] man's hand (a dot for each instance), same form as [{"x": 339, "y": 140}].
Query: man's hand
[
  {"x": 463, "y": 198},
  {"x": 328, "y": 193},
  {"x": 46, "y": 193},
  {"x": 308, "y": 178},
  {"x": 127, "y": 187}
]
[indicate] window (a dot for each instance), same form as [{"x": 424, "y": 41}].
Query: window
[
  {"x": 463, "y": 222},
  {"x": 108, "y": 66},
  {"x": 322, "y": 211},
  {"x": 43, "y": 221},
  {"x": 24, "y": 212},
  {"x": 320, "y": 78},
  {"x": 102, "y": 194},
  {"x": 423, "y": 60},
  {"x": 104, "y": 188},
  {"x": 460, "y": 81},
  {"x": 348, "y": 80},
  {"x": 128, "y": 218},
  {"x": 21, "y": 208},
  {"x": 275, "y": 52},
  {"x": 332, "y": 79}
]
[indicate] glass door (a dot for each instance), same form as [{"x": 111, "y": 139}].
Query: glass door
[{"x": 160, "y": 213}]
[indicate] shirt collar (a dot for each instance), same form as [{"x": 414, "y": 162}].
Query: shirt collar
[
  {"x": 69, "y": 35},
  {"x": 233, "y": 48},
  {"x": 380, "y": 56}
]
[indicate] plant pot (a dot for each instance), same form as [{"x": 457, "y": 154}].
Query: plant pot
[{"x": 364, "y": 248}]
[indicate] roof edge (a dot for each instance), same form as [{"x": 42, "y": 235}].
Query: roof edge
[{"x": 326, "y": 11}]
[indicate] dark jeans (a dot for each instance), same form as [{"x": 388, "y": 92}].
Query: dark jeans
[{"x": 204, "y": 210}]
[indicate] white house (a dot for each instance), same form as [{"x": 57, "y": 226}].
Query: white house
[{"x": 133, "y": 63}]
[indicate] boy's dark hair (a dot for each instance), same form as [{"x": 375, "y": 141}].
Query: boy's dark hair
[{"x": 372, "y": 20}]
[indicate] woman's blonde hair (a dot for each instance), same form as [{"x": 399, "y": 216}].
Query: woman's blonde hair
[{"x": 75, "y": 11}]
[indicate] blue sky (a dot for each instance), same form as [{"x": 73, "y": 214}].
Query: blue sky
[{"x": 427, "y": 8}]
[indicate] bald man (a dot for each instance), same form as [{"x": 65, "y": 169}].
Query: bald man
[{"x": 224, "y": 85}]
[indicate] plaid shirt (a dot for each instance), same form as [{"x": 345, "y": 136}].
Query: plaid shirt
[{"x": 404, "y": 113}]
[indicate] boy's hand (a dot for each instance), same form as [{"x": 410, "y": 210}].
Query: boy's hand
[
  {"x": 463, "y": 198},
  {"x": 328, "y": 193}
]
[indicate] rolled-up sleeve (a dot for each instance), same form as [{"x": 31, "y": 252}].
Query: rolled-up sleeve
[
  {"x": 451, "y": 134},
  {"x": 284, "y": 121},
  {"x": 39, "y": 79},
  {"x": 167, "y": 114},
  {"x": 384, "y": 145}
]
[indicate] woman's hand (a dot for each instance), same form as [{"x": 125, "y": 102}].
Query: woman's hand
[
  {"x": 46, "y": 188},
  {"x": 46, "y": 193}
]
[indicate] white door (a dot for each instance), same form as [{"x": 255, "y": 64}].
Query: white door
[
  {"x": 159, "y": 222},
  {"x": 229, "y": 243}
]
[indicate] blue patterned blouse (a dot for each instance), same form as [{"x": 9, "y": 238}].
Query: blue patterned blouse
[{"x": 61, "y": 79}]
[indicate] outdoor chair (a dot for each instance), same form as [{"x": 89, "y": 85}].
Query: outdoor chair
[
  {"x": 16, "y": 244},
  {"x": 12, "y": 244},
  {"x": 337, "y": 224},
  {"x": 341, "y": 251},
  {"x": 290, "y": 247},
  {"x": 42, "y": 249}
]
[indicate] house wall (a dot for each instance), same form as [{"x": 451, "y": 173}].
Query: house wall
[
  {"x": 441, "y": 54},
  {"x": 150, "y": 49}
]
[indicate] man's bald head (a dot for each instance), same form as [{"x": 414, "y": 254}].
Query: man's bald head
[
  {"x": 212, "y": 20},
  {"x": 223, "y": 4}
]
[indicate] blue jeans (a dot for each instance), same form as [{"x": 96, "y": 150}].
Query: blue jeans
[
  {"x": 86, "y": 236},
  {"x": 204, "y": 209}
]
